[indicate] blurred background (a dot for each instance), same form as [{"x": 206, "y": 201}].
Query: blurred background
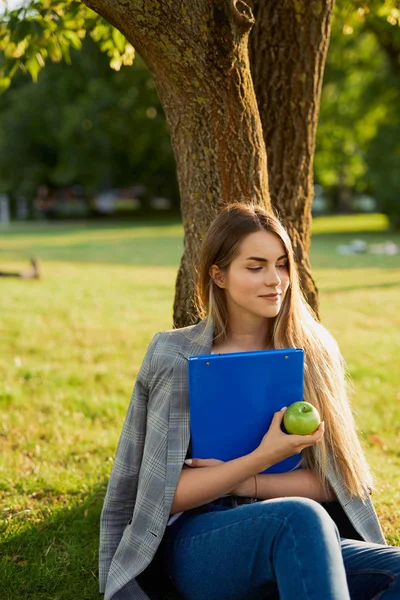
[{"x": 87, "y": 141}]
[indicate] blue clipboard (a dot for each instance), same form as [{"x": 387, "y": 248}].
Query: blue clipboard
[{"x": 233, "y": 398}]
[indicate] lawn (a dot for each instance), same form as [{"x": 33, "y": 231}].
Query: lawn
[{"x": 70, "y": 347}]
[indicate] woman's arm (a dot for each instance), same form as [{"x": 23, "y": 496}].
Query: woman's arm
[
  {"x": 302, "y": 482},
  {"x": 200, "y": 486}
]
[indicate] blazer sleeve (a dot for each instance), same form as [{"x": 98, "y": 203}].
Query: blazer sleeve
[{"x": 121, "y": 492}]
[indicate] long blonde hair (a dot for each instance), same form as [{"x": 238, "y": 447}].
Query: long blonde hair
[{"x": 325, "y": 380}]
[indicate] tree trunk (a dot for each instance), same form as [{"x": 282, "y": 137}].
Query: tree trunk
[
  {"x": 288, "y": 48},
  {"x": 198, "y": 55}
]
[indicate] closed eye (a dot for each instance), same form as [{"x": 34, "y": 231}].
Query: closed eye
[{"x": 281, "y": 266}]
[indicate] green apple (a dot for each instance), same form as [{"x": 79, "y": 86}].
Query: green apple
[{"x": 301, "y": 418}]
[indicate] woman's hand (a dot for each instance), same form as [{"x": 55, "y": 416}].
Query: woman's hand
[
  {"x": 277, "y": 445},
  {"x": 274, "y": 447}
]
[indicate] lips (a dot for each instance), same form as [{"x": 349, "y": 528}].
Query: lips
[{"x": 276, "y": 295}]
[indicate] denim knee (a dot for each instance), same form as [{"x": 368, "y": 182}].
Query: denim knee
[{"x": 304, "y": 514}]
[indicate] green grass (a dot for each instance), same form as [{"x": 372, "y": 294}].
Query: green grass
[
  {"x": 70, "y": 347},
  {"x": 140, "y": 244}
]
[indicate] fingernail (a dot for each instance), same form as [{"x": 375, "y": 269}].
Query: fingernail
[
  {"x": 188, "y": 461},
  {"x": 283, "y": 407}
]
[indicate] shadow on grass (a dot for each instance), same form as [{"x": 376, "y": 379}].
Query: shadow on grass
[{"x": 57, "y": 560}]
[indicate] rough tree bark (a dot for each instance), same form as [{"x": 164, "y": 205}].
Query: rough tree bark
[
  {"x": 288, "y": 48},
  {"x": 198, "y": 55}
]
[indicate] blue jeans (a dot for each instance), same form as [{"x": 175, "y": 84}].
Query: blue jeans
[{"x": 288, "y": 548}]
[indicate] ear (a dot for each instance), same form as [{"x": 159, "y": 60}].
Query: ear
[{"x": 217, "y": 276}]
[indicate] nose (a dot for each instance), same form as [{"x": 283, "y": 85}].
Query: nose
[{"x": 272, "y": 278}]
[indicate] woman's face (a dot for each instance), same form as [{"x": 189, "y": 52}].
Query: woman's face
[{"x": 257, "y": 280}]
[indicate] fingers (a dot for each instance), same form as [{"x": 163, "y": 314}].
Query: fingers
[
  {"x": 278, "y": 417},
  {"x": 313, "y": 438},
  {"x": 318, "y": 433}
]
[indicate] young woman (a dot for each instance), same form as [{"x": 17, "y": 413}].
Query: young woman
[{"x": 221, "y": 530}]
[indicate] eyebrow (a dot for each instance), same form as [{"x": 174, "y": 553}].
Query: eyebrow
[{"x": 259, "y": 259}]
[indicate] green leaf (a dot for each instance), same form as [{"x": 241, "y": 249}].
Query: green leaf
[
  {"x": 64, "y": 45},
  {"x": 9, "y": 66},
  {"x": 116, "y": 63},
  {"x": 119, "y": 40},
  {"x": 4, "y": 84},
  {"x": 99, "y": 32},
  {"x": 20, "y": 32},
  {"x": 37, "y": 29},
  {"x": 73, "y": 38},
  {"x": 54, "y": 51},
  {"x": 33, "y": 66},
  {"x": 106, "y": 45}
]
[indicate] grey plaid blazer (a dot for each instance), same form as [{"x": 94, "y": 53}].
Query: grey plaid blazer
[{"x": 149, "y": 459}]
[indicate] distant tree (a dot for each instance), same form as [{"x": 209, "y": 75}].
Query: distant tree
[
  {"x": 85, "y": 123},
  {"x": 357, "y": 146},
  {"x": 383, "y": 155},
  {"x": 383, "y": 158}
]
